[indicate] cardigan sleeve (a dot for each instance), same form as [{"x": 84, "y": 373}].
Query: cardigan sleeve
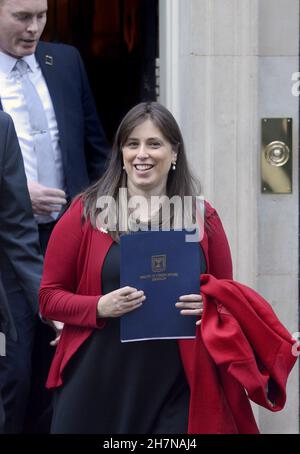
[
  {"x": 58, "y": 299},
  {"x": 218, "y": 251}
]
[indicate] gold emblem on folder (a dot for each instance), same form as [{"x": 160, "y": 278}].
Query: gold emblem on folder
[{"x": 159, "y": 263}]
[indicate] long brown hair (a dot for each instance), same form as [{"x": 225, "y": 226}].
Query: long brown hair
[{"x": 180, "y": 182}]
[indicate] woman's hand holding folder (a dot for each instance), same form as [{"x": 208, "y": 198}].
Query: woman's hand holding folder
[
  {"x": 191, "y": 305},
  {"x": 119, "y": 302}
]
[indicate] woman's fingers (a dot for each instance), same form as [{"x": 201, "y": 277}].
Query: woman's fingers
[
  {"x": 54, "y": 343},
  {"x": 191, "y": 312},
  {"x": 132, "y": 304},
  {"x": 125, "y": 291},
  {"x": 132, "y": 297},
  {"x": 191, "y": 298},
  {"x": 191, "y": 305},
  {"x": 119, "y": 302},
  {"x": 127, "y": 309}
]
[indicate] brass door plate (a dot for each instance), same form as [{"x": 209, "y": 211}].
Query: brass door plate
[{"x": 276, "y": 155}]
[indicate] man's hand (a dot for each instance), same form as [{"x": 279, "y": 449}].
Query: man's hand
[
  {"x": 57, "y": 326},
  {"x": 45, "y": 200}
]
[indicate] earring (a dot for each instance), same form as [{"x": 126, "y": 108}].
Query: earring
[{"x": 174, "y": 165}]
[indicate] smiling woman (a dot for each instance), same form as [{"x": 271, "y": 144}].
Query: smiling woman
[
  {"x": 21, "y": 24},
  {"x": 148, "y": 157},
  {"x": 138, "y": 387}
]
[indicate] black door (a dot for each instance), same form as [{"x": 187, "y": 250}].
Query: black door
[{"x": 118, "y": 40}]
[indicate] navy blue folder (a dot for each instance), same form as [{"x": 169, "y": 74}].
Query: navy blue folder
[{"x": 165, "y": 266}]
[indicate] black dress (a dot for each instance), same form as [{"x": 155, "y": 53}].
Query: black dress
[{"x": 115, "y": 388}]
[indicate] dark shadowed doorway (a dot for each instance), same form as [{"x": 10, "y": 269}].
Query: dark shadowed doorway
[{"x": 118, "y": 40}]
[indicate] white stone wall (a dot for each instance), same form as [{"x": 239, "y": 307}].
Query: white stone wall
[
  {"x": 212, "y": 89},
  {"x": 278, "y": 215},
  {"x": 225, "y": 64}
]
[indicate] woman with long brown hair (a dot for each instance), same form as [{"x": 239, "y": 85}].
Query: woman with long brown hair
[{"x": 101, "y": 385}]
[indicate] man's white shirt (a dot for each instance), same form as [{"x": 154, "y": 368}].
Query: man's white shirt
[{"x": 13, "y": 103}]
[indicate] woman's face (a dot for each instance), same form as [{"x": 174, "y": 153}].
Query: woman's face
[{"x": 147, "y": 157}]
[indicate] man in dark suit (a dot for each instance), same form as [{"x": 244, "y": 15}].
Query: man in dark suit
[
  {"x": 56, "y": 70},
  {"x": 53, "y": 75},
  {"x": 7, "y": 328},
  {"x": 20, "y": 270}
]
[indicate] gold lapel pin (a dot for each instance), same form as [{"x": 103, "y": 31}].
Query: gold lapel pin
[{"x": 49, "y": 60}]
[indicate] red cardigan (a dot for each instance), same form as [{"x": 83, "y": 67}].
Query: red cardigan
[{"x": 220, "y": 363}]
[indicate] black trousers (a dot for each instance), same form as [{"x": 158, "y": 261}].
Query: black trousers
[
  {"x": 15, "y": 367},
  {"x": 39, "y": 412},
  {"x": 2, "y": 415}
]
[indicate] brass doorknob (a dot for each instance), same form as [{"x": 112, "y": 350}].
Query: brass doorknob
[{"x": 277, "y": 153}]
